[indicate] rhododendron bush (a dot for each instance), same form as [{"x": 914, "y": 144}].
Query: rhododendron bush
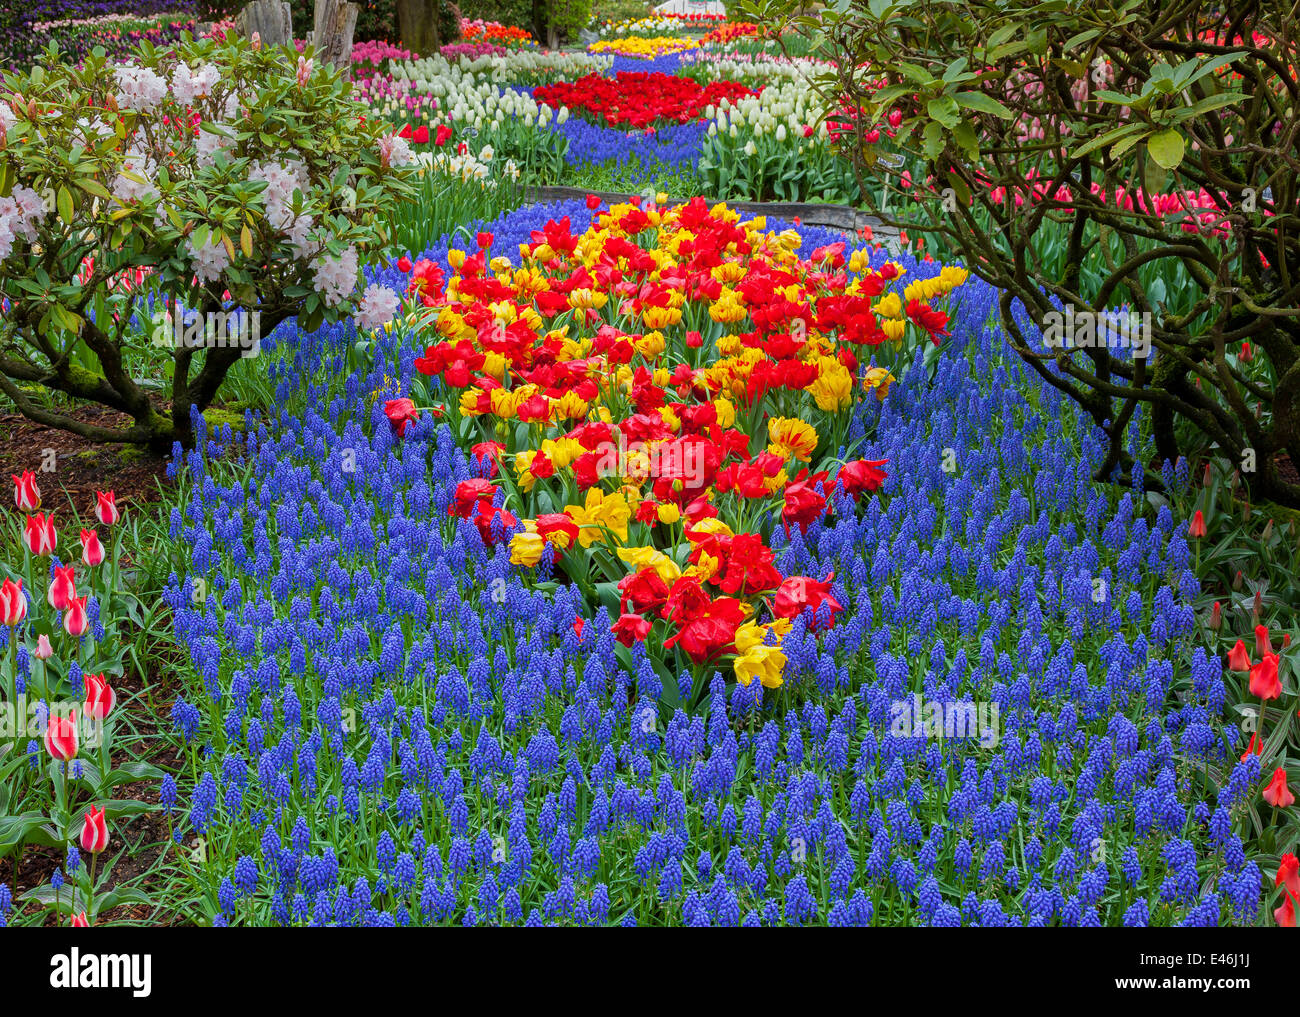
[
  {"x": 1023, "y": 127},
  {"x": 228, "y": 178}
]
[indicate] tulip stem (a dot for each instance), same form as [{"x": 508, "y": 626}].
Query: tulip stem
[
  {"x": 13, "y": 665},
  {"x": 102, "y": 724},
  {"x": 90, "y": 896}
]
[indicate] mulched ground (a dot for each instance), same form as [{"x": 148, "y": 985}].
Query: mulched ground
[{"x": 83, "y": 467}]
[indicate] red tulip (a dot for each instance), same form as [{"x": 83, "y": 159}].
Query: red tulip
[
  {"x": 861, "y": 475},
  {"x": 1277, "y": 794},
  {"x": 489, "y": 451},
  {"x": 106, "y": 508},
  {"x": 484, "y": 240},
  {"x": 1216, "y": 616},
  {"x": 92, "y": 551},
  {"x": 27, "y": 496},
  {"x": 644, "y": 590},
  {"x": 94, "y": 831},
  {"x": 710, "y": 629},
  {"x": 1288, "y": 874},
  {"x": 1197, "y": 527},
  {"x": 1264, "y": 681},
  {"x": 934, "y": 322},
  {"x": 13, "y": 605},
  {"x": 1288, "y": 877},
  {"x": 1254, "y": 748},
  {"x": 1239, "y": 658},
  {"x": 421, "y": 136},
  {"x": 403, "y": 264},
  {"x": 62, "y": 588},
  {"x": 61, "y": 738},
  {"x": 631, "y": 628},
  {"x": 442, "y": 135},
  {"x": 400, "y": 412},
  {"x": 803, "y": 503},
  {"x": 100, "y": 697},
  {"x": 487, "y": 514},
  {"x": 76, "y": 622},
  {"x": 800, "y": 592},
  {"x": 80, "y": 921},
  {"x": 593, "y": 202},
  {"x": 468, "y": 494},
  {"x": 1263, "y": 644},
  {"x": 39, "y": 534}
]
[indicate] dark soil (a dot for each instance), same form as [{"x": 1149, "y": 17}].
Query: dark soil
[{"x": 82, "y": 467}]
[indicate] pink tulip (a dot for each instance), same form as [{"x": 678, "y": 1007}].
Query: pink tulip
[
  {"x": 76, "y": 622},
  {"x": 62, "y": 588},
  {"x": 92, "y": 551},
  {"x": 13, "y": 605},
  {"x": 61, "y": 738},
  {"x": 39, "y": 534},
  {"x": 106, "y": 508},
  {"x": 100, "y": 697},
  {"x": 94, "y": 831}
]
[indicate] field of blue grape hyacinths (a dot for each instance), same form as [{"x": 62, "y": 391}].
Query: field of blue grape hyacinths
[
  {"x": 391, "y": 644},
  {"x": 378, "y": 740}
]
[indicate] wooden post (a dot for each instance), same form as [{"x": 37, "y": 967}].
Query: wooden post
[
  {"x": 336, "y": 21},
  {"x": 270, "y": 19},
  {"x": 417, "y": 26}
]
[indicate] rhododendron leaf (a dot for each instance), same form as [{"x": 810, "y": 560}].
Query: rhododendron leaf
[
  {"x": 984, "y": 104},
  {"x": 92, "y": 186},
  {"x": 1166, "y": 148},
  {"x": 64, "y": 202}
]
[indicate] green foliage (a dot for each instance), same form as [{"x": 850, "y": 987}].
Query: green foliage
[
  {"x": 569, "y": 16},
  {"x": 619, "y": 10},
  {"x": 1018, "y": 122},
  {"x": 118, "y": 193},
  {"x": 376, "y": 20}
]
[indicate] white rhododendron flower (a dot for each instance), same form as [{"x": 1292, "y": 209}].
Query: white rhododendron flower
[
  {"x": 378, "y": 305},
  {"x": 394, "y": 151},
  {"x": 135, "y": 180},
  {"x": 299, "y": 233},
  {"x": 207, "y": 145},
  {"x": 210, "y": 260},
  {"x": 336, "y": 278},
  {"x": 19, "y": 214},
  {"x": 189, "y": 85},
  {"x": 278, "y": 197},
  {"x": 7, "y": 119},
  {"x": 140, "y": 88}
]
